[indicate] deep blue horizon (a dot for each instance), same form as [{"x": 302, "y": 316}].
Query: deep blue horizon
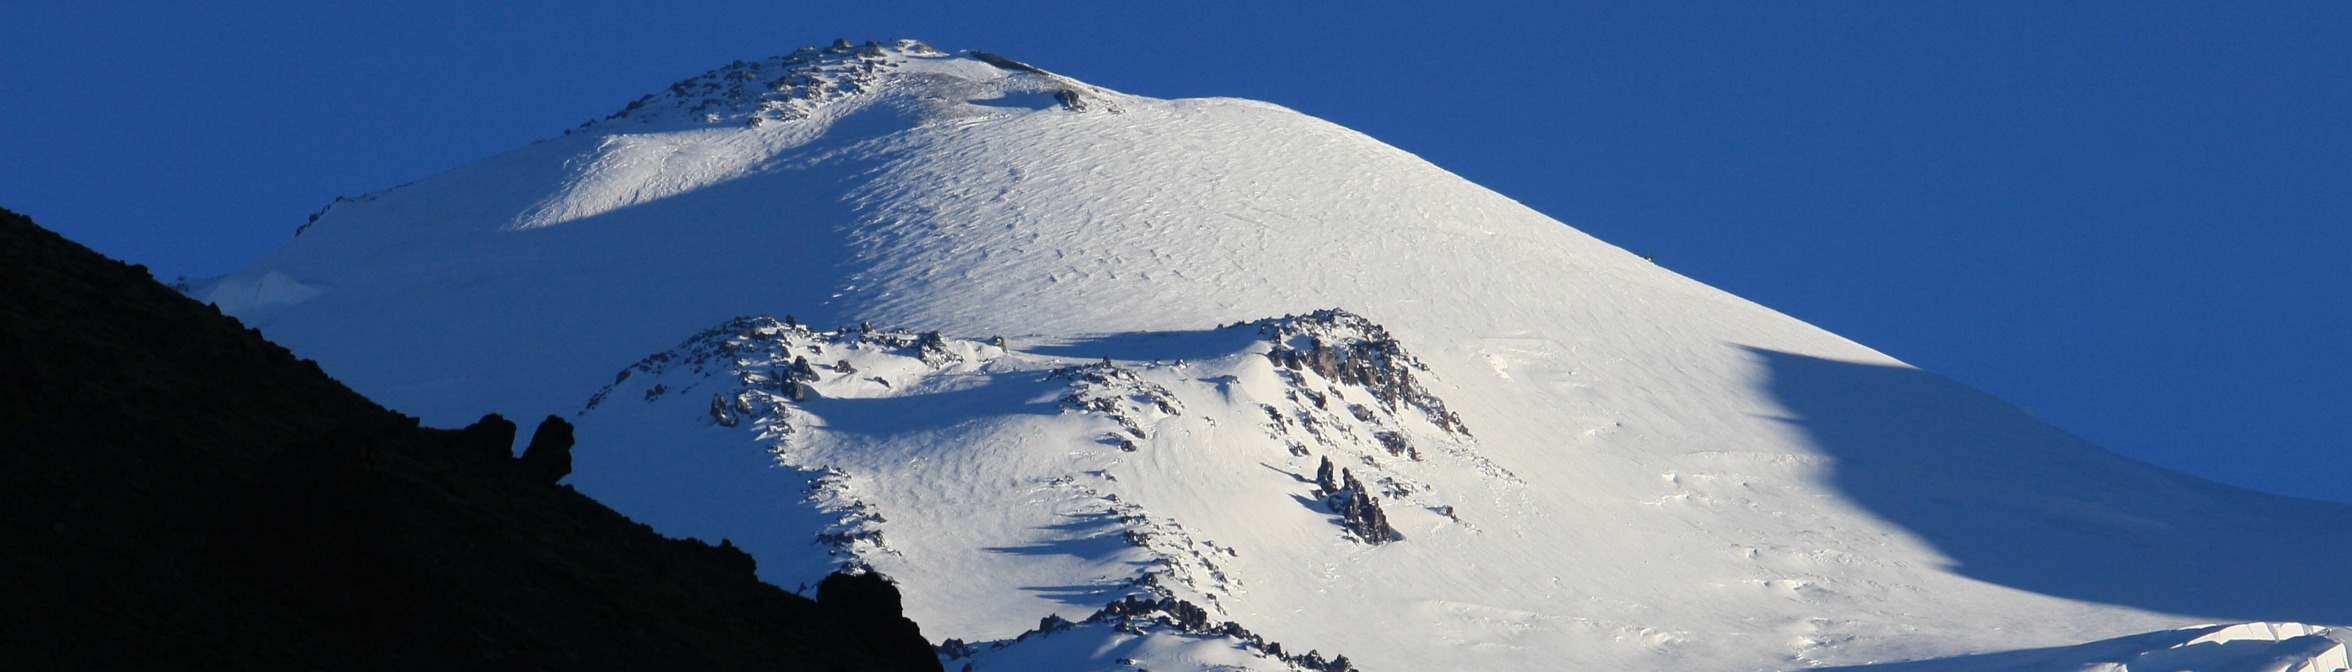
[{"x": 2132, "y": 218}]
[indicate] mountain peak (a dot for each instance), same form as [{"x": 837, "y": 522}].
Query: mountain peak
[
  {"x": 1663, "y": 476},
  {"x": 779, "y": 88},
  {"x": 795, "y": 86}
]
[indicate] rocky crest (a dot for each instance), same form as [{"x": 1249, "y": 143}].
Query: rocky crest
[{"x": 776, "y": 89}]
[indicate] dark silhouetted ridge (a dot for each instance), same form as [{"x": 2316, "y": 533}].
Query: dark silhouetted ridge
[{"x": 177, "y": 492}]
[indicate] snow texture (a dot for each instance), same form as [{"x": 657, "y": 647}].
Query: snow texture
[{"x": 1065, "y": 363}]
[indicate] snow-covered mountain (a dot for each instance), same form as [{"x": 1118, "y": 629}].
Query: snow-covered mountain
[{"x": 1111, "y": 382}]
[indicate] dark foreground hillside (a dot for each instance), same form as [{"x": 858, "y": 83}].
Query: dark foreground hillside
[{"x": 178, "y": 493}]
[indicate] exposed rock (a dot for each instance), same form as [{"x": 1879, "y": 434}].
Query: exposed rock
[
  {"x": 1138, "y": 614},
  {"x": 490, "y": 439},
  {"x": 549, "y": 457},
  {"x": 870, "y": 604},
  {"x": 780, "y": 89},
  {"x": 1343, "y": 347}
]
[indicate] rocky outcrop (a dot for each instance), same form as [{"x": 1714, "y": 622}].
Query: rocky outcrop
[
  {"x": 1359, "y": 511},
  {"x": 1344, "y": 348},
  {"x": 490, "y": 439},
  {"x": 870, "y": 604},
  {"x": 780, "y": 89},
  {"x": 549, "y": 457},
  {"x": 1143, "y": 614}
]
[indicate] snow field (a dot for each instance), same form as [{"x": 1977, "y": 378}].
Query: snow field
[{"x": 1647, "y": 473}]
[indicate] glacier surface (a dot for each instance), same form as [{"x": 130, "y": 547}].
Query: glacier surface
[{"x": 1065, "y": 363}]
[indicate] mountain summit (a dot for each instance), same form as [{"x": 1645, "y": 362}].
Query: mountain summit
[{"x": 1106, "y": 382}]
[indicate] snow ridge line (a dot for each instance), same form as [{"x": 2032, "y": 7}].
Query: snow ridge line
[{"x": 777, "y": 89}]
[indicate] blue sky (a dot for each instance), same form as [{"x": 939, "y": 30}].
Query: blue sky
[{"x": 2133, "y": 218}]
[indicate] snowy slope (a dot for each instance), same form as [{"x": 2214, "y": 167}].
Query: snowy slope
[{"x": 1036, "y": 350}]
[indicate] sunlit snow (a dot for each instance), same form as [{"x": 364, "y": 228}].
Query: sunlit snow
[{"x": 1628, "y": 469}]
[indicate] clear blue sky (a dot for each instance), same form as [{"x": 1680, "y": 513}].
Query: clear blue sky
[{"x": 2134, "y": 218}]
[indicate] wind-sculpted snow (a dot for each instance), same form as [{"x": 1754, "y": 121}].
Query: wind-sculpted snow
[{"x": 1545, "y": 452}]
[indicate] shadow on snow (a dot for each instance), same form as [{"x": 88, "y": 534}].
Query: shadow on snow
[
  {"x": 1096, "y": 537},
  {"x": 2015, "y": 502},
  {"x": 1156, "y": 345},
  {"x": 2134, "y": 650},
  {"x": 997, "y": 396}
]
